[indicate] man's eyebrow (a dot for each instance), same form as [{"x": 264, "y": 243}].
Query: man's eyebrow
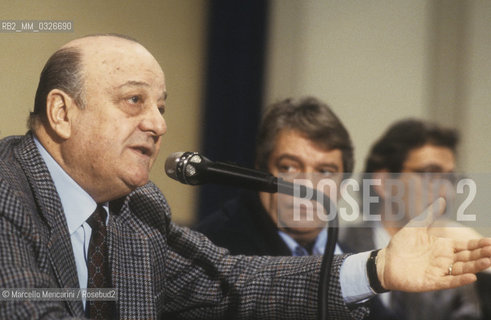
[
  {"x": 134, "y": 83},
  {"x": 429, "y": 168},
  {"x": 292, "y": 157},
  {"x": 288, "y": 157}
]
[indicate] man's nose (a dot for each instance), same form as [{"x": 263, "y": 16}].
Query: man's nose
[{"x": 154, "y": 122}]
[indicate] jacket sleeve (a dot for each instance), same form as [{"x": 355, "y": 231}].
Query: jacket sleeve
[{"x": 207, "y": 282}]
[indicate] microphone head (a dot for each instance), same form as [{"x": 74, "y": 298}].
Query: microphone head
[
  {"x": 171, "y": 164},
  {"x": 194, "y": 169},
  {"x": 185, "y": 167}
]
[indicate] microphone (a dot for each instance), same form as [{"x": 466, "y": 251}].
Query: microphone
[{"x": 194, "y": 169}]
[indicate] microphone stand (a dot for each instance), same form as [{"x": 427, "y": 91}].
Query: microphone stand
[{"x": 332, "y": 235}]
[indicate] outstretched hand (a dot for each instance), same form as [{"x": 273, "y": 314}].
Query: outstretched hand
[{"x": 417, "y": 261}]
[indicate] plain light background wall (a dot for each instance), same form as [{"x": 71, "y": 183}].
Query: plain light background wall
[
  {"x": 373, "y": 61},
  {"x": 476, "y": 105},
  {"x": 173, "y": 31}
]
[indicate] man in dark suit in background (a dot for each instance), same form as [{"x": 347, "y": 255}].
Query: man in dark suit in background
[
  {"x": 295, "y": 137},
  {"x": 95, "y": 132}
]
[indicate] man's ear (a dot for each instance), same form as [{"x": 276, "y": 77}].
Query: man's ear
[
  {"x": 380, "y": 189},
  {"x": 59, "y": 112}
]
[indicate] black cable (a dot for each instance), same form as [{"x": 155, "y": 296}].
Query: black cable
[{"x": 332, "y": 235}]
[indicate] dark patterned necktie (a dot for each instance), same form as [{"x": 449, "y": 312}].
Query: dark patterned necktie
[{"x": 98, "y": 266}]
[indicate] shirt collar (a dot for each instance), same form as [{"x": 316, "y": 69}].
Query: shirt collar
[
  {"x": 318, "y": 248},
  {"x": 77, "y": 204}
]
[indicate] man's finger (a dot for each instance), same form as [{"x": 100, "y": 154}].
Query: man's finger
[
  {"x": 460, "y": 268},
  {"x": 456, "y": 281},
  {"x": 470, "y": 255},
  {"x": 428, "y": 216},
  {"x": 472, "y": 244}
]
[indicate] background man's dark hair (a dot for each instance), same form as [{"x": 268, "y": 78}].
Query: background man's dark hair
[
  {"x": 310, "y": 117},
  {"x": 391, "y": 150}
]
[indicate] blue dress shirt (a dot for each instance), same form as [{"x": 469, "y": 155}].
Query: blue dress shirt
[{"x": 78, "y": 205}]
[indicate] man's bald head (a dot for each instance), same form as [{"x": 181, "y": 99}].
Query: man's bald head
[
  {"x": 64, "y": 70},
  {"x": 99, "y": 113}
]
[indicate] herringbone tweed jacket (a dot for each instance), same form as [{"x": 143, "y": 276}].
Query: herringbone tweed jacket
[{"x": 161, "y": 271}]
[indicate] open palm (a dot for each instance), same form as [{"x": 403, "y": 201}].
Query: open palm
[{"x": 416, "y": 261}]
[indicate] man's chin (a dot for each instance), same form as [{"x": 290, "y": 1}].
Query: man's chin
[
  {"x": 136, "y": 182},
  {"x": 301, "y": 229}
]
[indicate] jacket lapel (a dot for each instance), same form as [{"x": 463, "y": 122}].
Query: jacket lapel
[
  {"x": 50, "y": 209},
  {"x": 130, "y": 258}
]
